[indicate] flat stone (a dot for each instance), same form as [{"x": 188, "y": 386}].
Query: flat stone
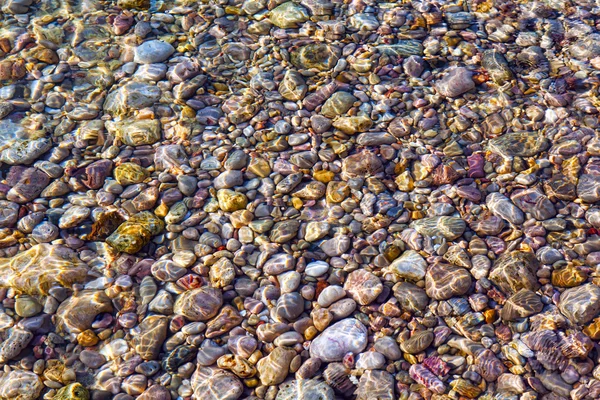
[
  {"x": 153, "y": 51},
  {"x": 410, "y": 265},
  {"x": 580, "y": 304},
  {"x": 348, "y": 335}
]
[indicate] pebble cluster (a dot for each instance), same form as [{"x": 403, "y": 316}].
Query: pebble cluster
[{"x": 299, "y": 199}]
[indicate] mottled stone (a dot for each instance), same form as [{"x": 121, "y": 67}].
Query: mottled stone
[
  {"x": 448, "y": 227},
  {"x": 410, "y": 265},
  {"x": 215, "y": 384},
  {"x": 348, "y": 335},
  {"x": 130, "y": 173},
  {"x": 136, "y": 232},
  {"x": 522, "y": 304},
  {"x": 353, "y": 125},
  {"x": 320, "y": 56},
  {"x": 77, "y": 313},
  {"x": 134, "y": 132},
  {"x": 273, "y": 369},
  {"x": 25, "y": 152},
  {"x": 519, "y": 144},
  {"x": 288, "y": 15},
  {"x": 375, "y": 385},
  {"x": 20, "y": 385},
  {"x": 515, "y": 271},
  {"x": 307, "y": 389},
  {"x": 17, "y": 340},
  {"x": 580, "y": 304},
  {"x": 153, "y": 332},
  {"x": 43, "y": 266},
  {"x": 363, "y": 286},
  {"x": 199, "y": 304},
  {"x": 227, "y": 319},
  {"x": 73, "y": 391},
  {"x": 445, "y": 281}
]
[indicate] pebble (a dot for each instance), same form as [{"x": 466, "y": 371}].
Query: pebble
[
  {"x": 153, "y": 51},
  {"x": 201, "y": 200},
  {"x": 347, "y": 336}
]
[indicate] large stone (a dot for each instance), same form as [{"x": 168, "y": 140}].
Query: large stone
[
  {"x": 273, "y": 369},
  {"x": 130, "y": 97},
  {"x": 347, "y": 336},
  {"x": 215, "y": 384},
  {"x": 375, "y": 385},
  {"x": 456, "y": 82},
  {"x": 501, "y": 206},
  {"x": 515, "y": 271},
  {"x": 77, "y": 313},
  {"x": 288, "y": 15},
  {"x": 20, "y": 385},
  {"x": 43, "y": 266},
  {"x": 519, "y": 144},
  {"x": 25, "y": 151},
  {"x": 448, "y": 227},
  {"x": 153, "y": 51},
  {"x": 136, "y": 232},
  {"x": 444, "y": 281},
  {"x": 135, "y": 132},
  {"x": 27, "y": 184},
  {"x": 153, "y": 332},
  {"x": 411, "y": 297},
  {"x": 588, "y": 188},
  {"x": 199, "y": 304},
  {"x": 363, "y": 286},
  {"x": 580, "y": 304},
  {"x": 410, "y": 265},
  {"x": 73, "y": 391},
  {"x": 522, "y": 304},
  {"x": 306, "y": 389},
  {"x": 362, "y": 164}
]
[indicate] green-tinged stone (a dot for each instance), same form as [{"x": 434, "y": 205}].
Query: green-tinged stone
[
  {"x": 43, "y": 266},
  {"x": 288, "y": 15},
  {"x": 352, "y": 125},
  {"x": 519, "y": 144},
  {"x": 74, "y": 391},
  {"x": 130, "y": 173},
  {"x": 134, "y": 132},
  {"x": 317, "y": 55},
  {"x": 136, "y": 232},
  {"x": 230, "y": 200}
]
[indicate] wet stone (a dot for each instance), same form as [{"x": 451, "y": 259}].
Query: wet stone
[
  {"x": 153, "y": 51},
  {"x": 348, "y": 335},
  {"x": 580, "y": 304},
  {"x": 456, "y": 82},
  {"x": 515, "y": 271},
  {"x": 199, "y": 304},
  {"x": 363, "y": 286},
  {"x": 445, "y": 281}
]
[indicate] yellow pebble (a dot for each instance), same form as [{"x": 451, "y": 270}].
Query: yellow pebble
[
  {"x": 161, "y": 211},
  {"x": 324, "y": 176},
  {"x": 297, "y": 203}
]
